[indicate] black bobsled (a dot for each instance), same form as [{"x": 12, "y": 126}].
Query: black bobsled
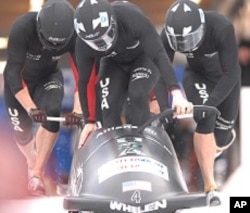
[{"x": 131, "y": 169}]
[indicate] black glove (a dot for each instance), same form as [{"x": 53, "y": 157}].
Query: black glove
[
  {"x": 73, "y": 119},
  {"x": 38, "y": 115}
]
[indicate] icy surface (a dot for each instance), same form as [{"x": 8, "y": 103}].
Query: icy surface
[{"x": 237, "y": 185}]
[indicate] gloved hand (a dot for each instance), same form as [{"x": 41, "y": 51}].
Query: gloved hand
[
  {"x": 38, "y": 115},
  {"x": 73, "y": 119}
]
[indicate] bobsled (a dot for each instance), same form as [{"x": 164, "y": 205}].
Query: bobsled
[{"x": 131, "y": 169}]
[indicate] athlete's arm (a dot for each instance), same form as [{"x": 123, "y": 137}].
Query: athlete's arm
[
  {"x": 228, "y": 55},
  {"x": 153, "y": 47},
  {"x": 86, "y": 84},
  {"x": 72, "y": 59},
  {"x": 17, "y": 49}
]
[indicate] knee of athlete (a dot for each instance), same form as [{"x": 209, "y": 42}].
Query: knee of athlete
[
  {"x": 223, "y": 137},
  {"x": 51, "y": 126},
  {"x": 206, "y": 125},
  {"x": 23, "y": 138},
  {"x": 138, "y": 97}
]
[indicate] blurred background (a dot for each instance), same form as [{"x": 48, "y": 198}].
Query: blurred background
[{"x": 12, "y": 164}]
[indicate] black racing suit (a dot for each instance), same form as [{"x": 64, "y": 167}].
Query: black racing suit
[
  {"x": 212, "y": 75},
  {"x": 130, "y": 69},
  {"x": 30, "y": 64}
]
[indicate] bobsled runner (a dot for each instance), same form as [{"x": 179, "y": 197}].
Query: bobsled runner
[{"x": 131, "y": 169}]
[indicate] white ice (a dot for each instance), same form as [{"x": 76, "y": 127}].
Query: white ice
[{"x": 237, "y": 185}]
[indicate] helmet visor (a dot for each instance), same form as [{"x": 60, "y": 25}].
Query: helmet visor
[
  {"x": 104, "y": 42},
  {"x": 185, "y": 43}
]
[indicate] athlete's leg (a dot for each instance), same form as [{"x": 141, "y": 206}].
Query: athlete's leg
[
  {"x": 28, "y": 150},
  {"x": 144, "y": 76},
  {"x": 224, "y": 130},
  {"x": 51, "y": 89},
  {"x": 45, "y": 141},
  {"x": 197, "y": 91},
  {"x": 113, "y": 91},
  {"x": 22, "y": 127},
  {"x": 205, "y": 150}
]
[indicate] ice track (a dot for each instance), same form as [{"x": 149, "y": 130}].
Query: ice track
[{"x": 237, "y": 185}]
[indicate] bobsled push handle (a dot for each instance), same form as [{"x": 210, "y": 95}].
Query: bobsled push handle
[
  {"x": 62, "y": 119},
  {"x": 56, "y": 119},
  {"x": 199, "y": 111},
  {"x": 168, "y": 113},
  {"x": 204, "y": 110}
]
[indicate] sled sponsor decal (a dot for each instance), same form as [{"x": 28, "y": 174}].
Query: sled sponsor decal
[
  {"x": 136, "y": 185},
  {"x": 150, "y": 131},
  {"x": 130, "y": 146},
  {"x": 149, "y": 207},
  {"x": 132, "y": 164},
  {"x": 115, "y": 128}
]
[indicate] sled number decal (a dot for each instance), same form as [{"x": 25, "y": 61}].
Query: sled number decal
[{"x": 136, "y": 196}]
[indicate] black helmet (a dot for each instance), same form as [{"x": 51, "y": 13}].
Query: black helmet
[
  {"x": 95, "y": 23},
  {"x": 55, "y": 24},
  {"x": 185, "y": 26}
]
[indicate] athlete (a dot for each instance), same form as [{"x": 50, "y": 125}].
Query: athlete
[
  {"x": 34, "y": 84},
  {"x": 212, "y": 77},
  {"x": 132, "y": 59}
]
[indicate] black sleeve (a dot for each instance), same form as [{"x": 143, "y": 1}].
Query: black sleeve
[
  {"x": 228, "y": 55},
  {"x": 73, "y": 64},
  {"x": 86, "y": 84},
  {"x": 153, "y": 47},
  {"x": 161, "y": 95},
  {"x": 16, "y": 55}
]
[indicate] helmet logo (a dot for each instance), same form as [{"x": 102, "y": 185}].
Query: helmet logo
[
  {"x": 170, "y": 30},
  {"x": 175, "y": 8},
  {"x": 186, "y": 30},
  {"x": 56, "y": 39},
  {"x": 79, "y": 26},
  {"x": 93, "y": 2},
  {"x": 101, "y": 20},
  {"x": 186, "y": 8}
]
